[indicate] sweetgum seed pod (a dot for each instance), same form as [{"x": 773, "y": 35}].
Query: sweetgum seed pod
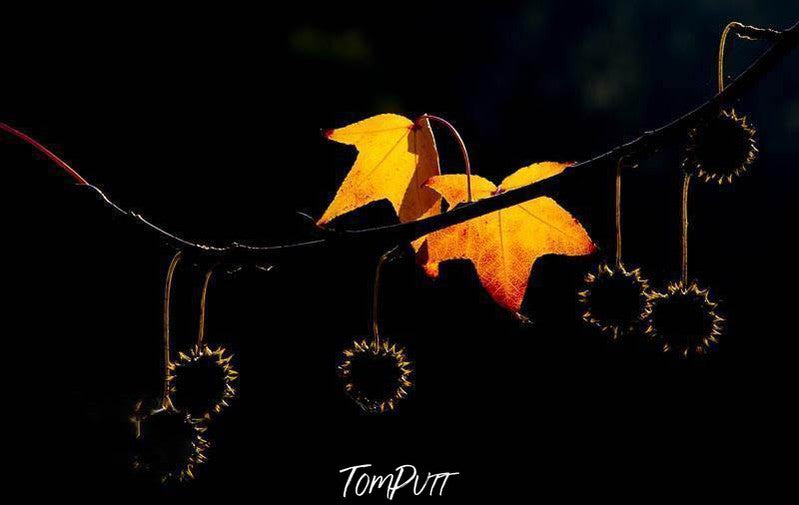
[
  {"x": 721, "y": 148},
  {"x": 202, "y": 381},
  {"x": 683, "y": 320},
  {"x": 615, "y": 299},
  {"x": 168, "y": 444},
  {"x": 376, "y": 376}
]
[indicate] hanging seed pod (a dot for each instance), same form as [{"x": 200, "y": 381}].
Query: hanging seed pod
[
  {"x": 683, "y": 320},
  {"x": 201, "y": 382},
  {"x": 168, "y": 444},
  {"x": 720, "y": 148},
  {"x": 376, "y": 375},
  {"x": 615, "y": 299}
]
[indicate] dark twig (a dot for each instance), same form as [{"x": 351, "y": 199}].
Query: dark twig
[{"x": 386, "y": 236}]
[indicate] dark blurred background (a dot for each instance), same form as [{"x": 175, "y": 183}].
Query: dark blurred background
[{"x": 206, "y": 120}]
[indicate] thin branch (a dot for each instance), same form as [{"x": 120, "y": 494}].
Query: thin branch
[
  {"x": 55, "y": 159},
  {"x": 647, "y": 142},
  {"x": 386, "y": 236}
]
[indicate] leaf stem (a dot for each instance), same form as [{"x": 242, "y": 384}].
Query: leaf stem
[{"x": 462, "y": 145}]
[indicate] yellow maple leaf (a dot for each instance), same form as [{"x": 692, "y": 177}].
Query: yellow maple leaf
[
  {"x": 395, "y": 158},
  {"x": 503, "y": 245}
]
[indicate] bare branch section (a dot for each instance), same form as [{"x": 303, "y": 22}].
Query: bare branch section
[{"x": 387, "y": 236}]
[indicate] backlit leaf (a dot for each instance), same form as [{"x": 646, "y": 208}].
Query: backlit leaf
[
  {"x": 395, "y": 157},
  {"x": 504, "y": 245}
]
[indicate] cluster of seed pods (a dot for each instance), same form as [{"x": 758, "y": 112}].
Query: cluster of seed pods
[
  {"x": 682, "y": 318},
  {"x": 197, "y": 386}
]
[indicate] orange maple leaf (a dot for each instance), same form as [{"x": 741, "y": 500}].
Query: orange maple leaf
[
  {"x": 395, "y": 158},
  {"x": 503, "y": 245}
]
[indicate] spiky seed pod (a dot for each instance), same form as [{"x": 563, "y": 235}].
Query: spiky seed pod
[
  {"x": 377, "y": 376},
  {"x": 615, "y": 299},
  {"x": 168, "y": 444},
  {"x": 202, "y": 382},
  {"x": 721, "y": 148},
  {"x": 683, "y": 320}
]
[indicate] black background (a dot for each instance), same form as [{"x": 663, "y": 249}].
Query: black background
[{"x": 207, "y": 121}]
